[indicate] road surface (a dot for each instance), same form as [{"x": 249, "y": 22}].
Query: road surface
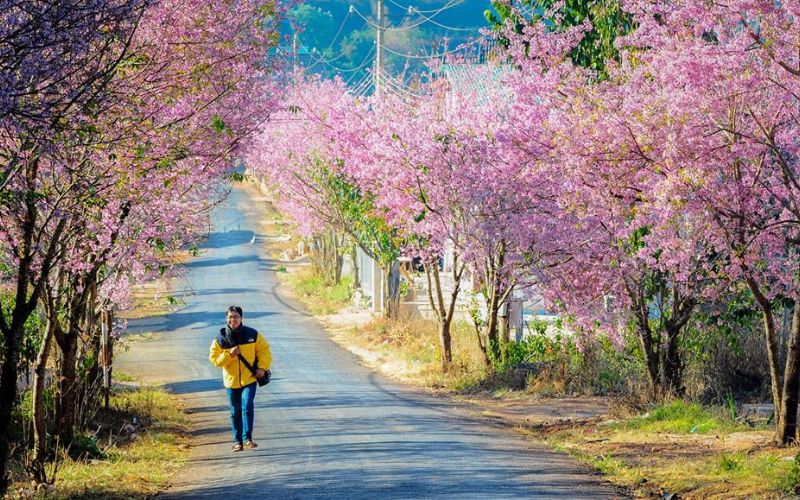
[{"x": 326, "y": 426}]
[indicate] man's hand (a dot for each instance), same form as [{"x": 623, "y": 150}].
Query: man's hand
[
  {"x": 259, "y": 373},
  {"x": 234, "y": 351}
]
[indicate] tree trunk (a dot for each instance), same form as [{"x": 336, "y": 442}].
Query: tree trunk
[
  {"x": 787, "y": 431},
  {"x": 645, "y": 334},
  {"x": 444, "y": 312},
  {"x": 495, "y": 300},
  {"x": 356, "y": 277},
  {"x": 484, "y": 348},
  {"x": 39, "y": 422},
  {"x": 492, "y": 337},
  {"x": 327, "y": 257},
  {"x": 391, "y": 290},
  {"x": 8, "y": 395},
  {"x": 95, "y": 338},
  {"x": 445, "y": 342},
  {"x": 68, "y": 383},
  {"x": 672, "y": 364},
  {"x": 771, "y": 338}
]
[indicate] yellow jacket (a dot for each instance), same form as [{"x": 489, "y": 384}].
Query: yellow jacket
[{"x": 252, "y": 346}]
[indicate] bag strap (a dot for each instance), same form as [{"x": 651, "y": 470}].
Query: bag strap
[
  {"x": 247, "y": 364},
  {"x": 228, "y": 344}
]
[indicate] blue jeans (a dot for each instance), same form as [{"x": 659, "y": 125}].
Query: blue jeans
[{"x": 241, "y": 401}]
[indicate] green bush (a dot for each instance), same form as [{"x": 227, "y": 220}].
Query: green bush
[
  {"x": 85, "y": 447},
  {"x": 559, "y": 364},
  {"x": 790, "y": 482},
  {"x": 33, "y": 330},
  {"x": 683, "y": 417},
  {"x": 325, "y": 298}
]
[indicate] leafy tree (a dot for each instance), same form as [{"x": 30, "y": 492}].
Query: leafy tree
[{"x": 605, "y": 19}]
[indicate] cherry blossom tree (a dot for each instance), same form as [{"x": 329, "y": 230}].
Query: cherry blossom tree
[{"x": 130, "y": 177}]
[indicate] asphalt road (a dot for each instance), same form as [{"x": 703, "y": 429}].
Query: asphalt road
[{"x": 326, "y": 426}]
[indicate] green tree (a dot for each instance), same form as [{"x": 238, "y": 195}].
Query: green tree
[{"x": 607, "y": 18}]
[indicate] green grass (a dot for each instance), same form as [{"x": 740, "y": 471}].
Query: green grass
[
  {"x": 131, "y": 466},
  {"x": 731, "y": 462},
  {"x": 121, "y": 376},
  {"x": 318, "y": 296},
  {"x": 681, "y": 417},
  {"x": 688, "y": 449}
]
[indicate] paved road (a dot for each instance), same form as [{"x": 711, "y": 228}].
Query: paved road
[{"x": 326, "y": 426}]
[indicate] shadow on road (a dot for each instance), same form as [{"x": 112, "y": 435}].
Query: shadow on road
[
  {"x": 225, "y": 291},
  {"x": 172, "y": 322},
  {"x": 193, "y": 386},
  {"x": 228, "y": 238},
  {"x": 236, "y": 259}
]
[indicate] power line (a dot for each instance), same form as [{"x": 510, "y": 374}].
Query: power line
[
  {"x": 425, "y": 19},
  {"x": 321, "y": 58},
  {"x": 399, "y": 89},
  {"x": 410, "y": 7},
  {"x": 376, "y": 26},
  {"x": 362, "y": 88},
  {"x": 344, "y": 70},
  {"x": 450, "y": 28},
  {"x": 339, "y": 31},
  {"x": 360, "y": 82},
  {"x": 433, "y": 56},
  {"x": 363, "y": 64}
]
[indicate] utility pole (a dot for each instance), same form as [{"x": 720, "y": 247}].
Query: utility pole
[
  {"x": 294, "y": 51},
  {"x": 379, "y": 32}
]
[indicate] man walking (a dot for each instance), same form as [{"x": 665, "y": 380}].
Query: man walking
[{"x": 231, "y": 345}]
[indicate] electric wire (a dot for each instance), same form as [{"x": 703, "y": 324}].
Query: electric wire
[
  {"x": 360, "y": 82},
  {"x": 433, "y": 56},
  {"x": 398, "y": 89},
  {"x": 361, "y": 66},
  {"x": 407, "y": 27},
  {"x": 321, "y": 58},
  {"x": 410, "y": 7},
  {"x": 449, "y": 28},
  {"x": 364, "y": 83},
  {"x": 363, "y": 89},
  {"x": 339, "y": 31}
]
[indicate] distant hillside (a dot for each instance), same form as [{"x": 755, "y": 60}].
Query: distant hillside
[{"x": 333, "y": 40}]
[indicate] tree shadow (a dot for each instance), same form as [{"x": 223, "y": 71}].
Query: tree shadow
[
  {"x": 236, "y": 259},
  {"x": 193, "y": 386},
  {"x": 198, "y": 320},
  {"x": 228, "y": 238}
]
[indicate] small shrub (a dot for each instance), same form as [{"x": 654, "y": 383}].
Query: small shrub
[
  {"x": 121, "y": 376},
  {"x": 84, "y": 447},
  {"x": 731, "y": 463},
  {"x": 790, "y": 483},
  {"x": 682, "y": 417},
  {"x": 554, "y": 363}
]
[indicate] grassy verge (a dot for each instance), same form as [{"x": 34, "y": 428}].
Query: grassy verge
[
  {"x": 683, "y": 448},
  {"x": 406, "y": 349},
  {"x": 320, "y": 298},
  {"x": 141, "y": 441},
  {"x": 410, "y": 350}
]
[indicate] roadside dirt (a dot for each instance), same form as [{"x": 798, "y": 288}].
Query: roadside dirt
[{"x": 511, "y": 409}]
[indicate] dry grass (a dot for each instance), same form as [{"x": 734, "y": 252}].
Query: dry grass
[
  {"x": 670, "y": 455},
  {"x": 138, "y": 465},
  {"x": 136, "y": 461}
]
